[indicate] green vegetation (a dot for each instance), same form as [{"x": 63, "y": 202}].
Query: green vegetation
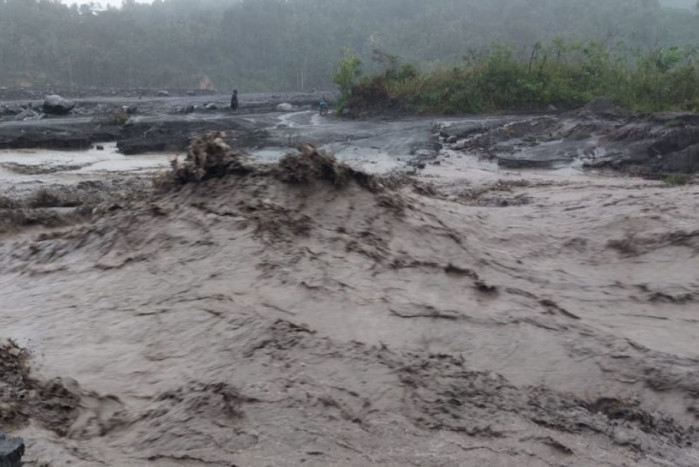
[
  {"x": 348, "y": 72},
  {"x": 677, "y": 179},
  {"x": 560, "y": 74}
]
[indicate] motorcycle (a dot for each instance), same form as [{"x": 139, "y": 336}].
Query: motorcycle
[{"x": 323, "y": 108}]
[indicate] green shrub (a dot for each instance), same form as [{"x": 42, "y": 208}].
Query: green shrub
[
  {"x": 348, "y": 72},
  {"x": 561, "y": 74},
  {"x": 677, "y": 179}
]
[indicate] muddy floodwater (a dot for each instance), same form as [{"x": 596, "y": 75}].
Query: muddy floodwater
[
  {"x": 428, "y": 307},
  {"x": 24, "y": 170}
]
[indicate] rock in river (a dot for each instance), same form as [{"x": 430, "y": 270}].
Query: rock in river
[{"x": 11, "y": 451}]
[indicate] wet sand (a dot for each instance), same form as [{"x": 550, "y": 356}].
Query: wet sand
[{"x": 471, "y": 316}]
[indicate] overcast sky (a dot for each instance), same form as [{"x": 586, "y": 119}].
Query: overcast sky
[
  {"x": 678, "y": 3},
  {"x": 103, "y": 2}
]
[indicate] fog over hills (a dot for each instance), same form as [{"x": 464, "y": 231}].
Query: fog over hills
[{"x": 296, "y": 44}]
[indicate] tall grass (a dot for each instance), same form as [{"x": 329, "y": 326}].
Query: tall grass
[{"x": 560, "y": 74}]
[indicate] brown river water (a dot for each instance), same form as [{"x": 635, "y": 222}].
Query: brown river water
[{"x": 472, "y": 315}]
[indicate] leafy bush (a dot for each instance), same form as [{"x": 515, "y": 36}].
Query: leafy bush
[
  {"x": 677, "y": 179},
  {"x": 348, "y": 72},
  {"x": 560, "y": 74}
]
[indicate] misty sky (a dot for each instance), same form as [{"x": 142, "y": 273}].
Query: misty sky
[
  {"x": 103, "y": 2},
  {"x": 675, "y": 3}
]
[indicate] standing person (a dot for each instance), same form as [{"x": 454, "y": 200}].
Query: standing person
[{"x": 234, "y": 101}]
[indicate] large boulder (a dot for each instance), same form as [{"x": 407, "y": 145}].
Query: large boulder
[
  {"x": 55, "y": 104},
  {"x": 129, "y": 109},
  {"x": 285, "y": 107},
  {"x": 11, "y": 451},
  {"x": 683, "y": 161},
  {"x": 666, "y": 143}
]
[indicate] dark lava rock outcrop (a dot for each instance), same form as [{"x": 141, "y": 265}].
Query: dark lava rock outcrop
[
  {"x": 598, "y": 136},
  {"x": 11, "y": 451},
  {"x": 667, "y": 143}
]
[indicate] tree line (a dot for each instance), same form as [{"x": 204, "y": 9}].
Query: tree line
[
  {"x": 559, "y": 74},
  {"x": 256, "y": 45}
]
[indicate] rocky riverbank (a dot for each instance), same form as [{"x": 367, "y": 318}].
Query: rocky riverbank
[
  {"x": 139, "y": 124},
  {"x": 598, "y": 136}
]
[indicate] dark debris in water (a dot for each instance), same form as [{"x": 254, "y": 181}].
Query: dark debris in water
[{"x": 23, "y": 398}]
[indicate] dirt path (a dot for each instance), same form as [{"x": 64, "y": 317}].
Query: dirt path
[{"x": 476, "y": 316}]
